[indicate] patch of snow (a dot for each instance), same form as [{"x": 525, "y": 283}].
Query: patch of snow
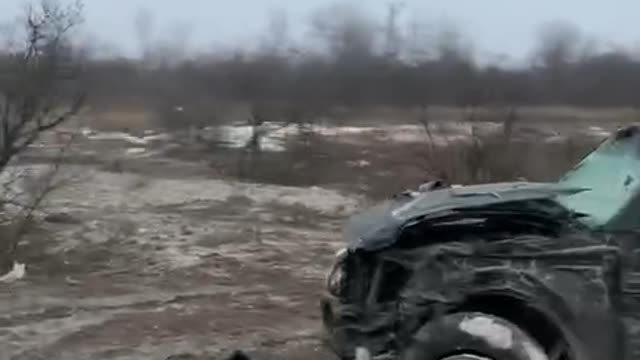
[
  {"x": 122, "y": 136},
  {"x": 362, "y": 353},
  {"x": 444, "y": 140},
  {"x": 17, "y": 272},
  {"x": 136, "y": 150},
  {"x": 116, "y": 135},
  {"x": 85, "y": 131},
  {"x": 359, "y": 163},
  {"x": 239, "y": 136},
  {"x": 555, "y": 139},
  {"x": 274, "y": 135},
  {"x": 494, "y": 333},
  {"x": 598, "y": 131},
  {"x": 156, "y": 137}
]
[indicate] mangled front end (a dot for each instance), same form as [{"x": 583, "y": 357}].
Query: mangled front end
[{"x": 510, "y": 251}]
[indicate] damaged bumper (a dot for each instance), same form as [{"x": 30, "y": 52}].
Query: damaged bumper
[{"x": 357, "y": 334}]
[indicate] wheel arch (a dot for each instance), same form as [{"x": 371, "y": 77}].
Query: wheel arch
[
  {"x": 540, "y": 322},
  {"x": 547, "y": 302}
]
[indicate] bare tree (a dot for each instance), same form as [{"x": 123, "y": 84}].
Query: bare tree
[
  {"x": 262, "y": 80},
  {"x": 144, "y": 26},
  {"x": 417, "y": 42},
  {"x": 173, "y": 49},
  {"x": 559, "y": 44},
  {"x": 558, "y": 48},
  {"x": 35, "y": 79},
  {"x": 276, "y": 38},
  {"x": 450, "y": 43},
  {"x": 345, "y": 30},
  {"x": 393, "y": 36},
  {"x": 37, "y": 93}
]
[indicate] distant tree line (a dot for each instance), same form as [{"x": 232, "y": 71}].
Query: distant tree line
[{"x": 356, "y": 60}]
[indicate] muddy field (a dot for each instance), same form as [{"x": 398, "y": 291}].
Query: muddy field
[
  {"x": 140, "y": 267},
  {"x": 162, "y": 257}
]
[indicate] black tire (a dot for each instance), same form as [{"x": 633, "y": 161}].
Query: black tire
[{"x": 463, "y": 336}]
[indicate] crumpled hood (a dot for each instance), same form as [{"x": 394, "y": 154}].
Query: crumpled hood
[{"x": 380, "y": 226}]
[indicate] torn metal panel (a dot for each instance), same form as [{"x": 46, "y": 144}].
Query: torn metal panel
[
  {"x": 534, "y": 250},
  {"x": 442, "y": 277},
  {"x": 380, "y": 226}
]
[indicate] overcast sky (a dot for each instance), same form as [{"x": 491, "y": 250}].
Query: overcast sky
[{"x": 496, "y": 26}]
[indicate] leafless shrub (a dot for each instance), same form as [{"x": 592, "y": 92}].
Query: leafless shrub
[
  {"x": 454, "y": 160},
  {"x": 499, "y": 155},
  {"x": 480, "y": 158}
]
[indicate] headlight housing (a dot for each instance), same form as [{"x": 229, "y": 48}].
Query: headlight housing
[{"x": 337, "y": 279}]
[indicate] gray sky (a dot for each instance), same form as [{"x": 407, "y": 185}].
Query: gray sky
[{"x": 496, "y": 26}]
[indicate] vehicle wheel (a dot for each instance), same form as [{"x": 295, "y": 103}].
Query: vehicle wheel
[{"x": 472, "y": 336}]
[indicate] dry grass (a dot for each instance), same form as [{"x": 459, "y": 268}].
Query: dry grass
[
  {"x": 495, "y": 158},
  {"x": 138, "y": 118},
  {"x": 380, "y": 168},
  {"x": 528, "y": 114},
  {"x": 122, "y": 119}
]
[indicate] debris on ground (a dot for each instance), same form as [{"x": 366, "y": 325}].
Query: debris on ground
[{"x": 16, "y": 273}]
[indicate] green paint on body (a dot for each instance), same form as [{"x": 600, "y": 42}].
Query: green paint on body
[{"x": 612, "y": 175}]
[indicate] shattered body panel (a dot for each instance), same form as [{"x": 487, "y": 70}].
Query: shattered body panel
[
  {"x": 564, "y": 275},
  {"x": 557, "y": 259},
  {"x": 380, "y": 226},
  {"x": 612, "y": 173}
]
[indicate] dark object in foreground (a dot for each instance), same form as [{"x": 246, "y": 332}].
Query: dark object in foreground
[
  {"x": 522, "y": 271},
  {"x": 508, "y": 271},
  {"x": 239, "y": 355}
]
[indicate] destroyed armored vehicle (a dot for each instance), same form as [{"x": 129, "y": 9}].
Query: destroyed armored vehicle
[{"x": 506, "y": 271}]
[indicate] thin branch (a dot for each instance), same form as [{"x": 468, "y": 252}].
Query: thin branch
[{"x": 32, "y": 101}]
